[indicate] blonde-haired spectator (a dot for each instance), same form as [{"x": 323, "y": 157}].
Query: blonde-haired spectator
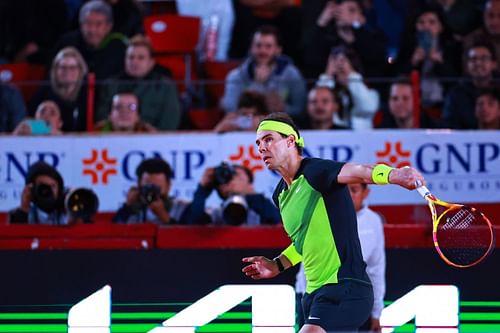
[{"x": 67, "y": 89}]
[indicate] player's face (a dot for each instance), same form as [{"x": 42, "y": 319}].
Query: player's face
[
  {"x": 358, "y": 195},
  {"x": 273, "y": 148}
]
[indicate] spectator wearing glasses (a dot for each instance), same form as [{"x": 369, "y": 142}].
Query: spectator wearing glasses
[
  {"x": 66, "y": 89},
  {"x": 459, "y": 105},
  {"x": 125, "y": 116}
]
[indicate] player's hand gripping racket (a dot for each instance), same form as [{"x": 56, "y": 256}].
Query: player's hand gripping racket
[{"x": 463, "y": 236}]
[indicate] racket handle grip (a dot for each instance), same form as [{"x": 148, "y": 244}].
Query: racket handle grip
[{"x": 422, "y": 190}]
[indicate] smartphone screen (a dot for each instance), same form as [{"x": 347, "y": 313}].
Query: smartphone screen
[{"x": 38, "y": 127}]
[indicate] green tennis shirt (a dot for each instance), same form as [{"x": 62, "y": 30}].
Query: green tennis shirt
[{"x": 319, "y": 217}]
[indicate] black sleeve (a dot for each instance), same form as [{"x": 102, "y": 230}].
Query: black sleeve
[
  {"x": 281, "y": 185},
  {"x": 123, "y": 214},
  {"x": 195, "y": 213},
  {"x": 18, "y": 216},
  {"x": 268, "y": 212},
  {"x": 322, "y": 174}
]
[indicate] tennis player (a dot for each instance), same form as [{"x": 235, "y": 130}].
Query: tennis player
[{"x": 319, "y": 217}]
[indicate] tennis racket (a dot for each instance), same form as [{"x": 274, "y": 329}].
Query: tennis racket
[{"x": 462, "y": 235}]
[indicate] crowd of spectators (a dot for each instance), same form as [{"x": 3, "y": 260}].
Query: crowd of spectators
[{"x": 355, "y": 48}]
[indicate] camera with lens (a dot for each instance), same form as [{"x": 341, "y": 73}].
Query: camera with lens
[
  {"x": 81, "y": 204},
  {"x": 235, "y": 210},
  {"x": 149, "y": 193},
  {"x": 223, "y": 174},
  {"x": 43, "y": 197}
]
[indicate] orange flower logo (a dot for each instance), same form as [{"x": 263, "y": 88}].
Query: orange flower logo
[
  {"x": 248, "y": 157},
  {"x": 102, "y": 167},
  {"x": 394, "y": 155}
]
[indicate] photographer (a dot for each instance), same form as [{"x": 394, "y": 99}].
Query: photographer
[
  {"x": 149, "y": 200},
  {"x": 42, "y": 199},
  {"x": 241, "y": 204}
]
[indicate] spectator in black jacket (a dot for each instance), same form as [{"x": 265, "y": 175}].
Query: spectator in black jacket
[
  {"x": 12, "y": 108},
  {"x": 458, "y": 112},
  {"x": 42, "y": 199},
  {"x": 102, "y": 49}
]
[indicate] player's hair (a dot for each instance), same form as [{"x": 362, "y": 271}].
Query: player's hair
[
  {"x": 285, "y": 118},
  {"x": 154, "y": 165}
]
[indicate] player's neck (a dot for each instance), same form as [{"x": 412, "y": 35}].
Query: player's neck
[{"x": 290, "y": 169}]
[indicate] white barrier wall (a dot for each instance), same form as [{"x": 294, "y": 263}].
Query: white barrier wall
[{"x": 459, "y": 166}]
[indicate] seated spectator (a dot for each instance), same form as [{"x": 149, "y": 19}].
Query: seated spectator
[
  {"x": 125, "y": 116},
  {"x": 488, "y": 33},
  {"x": 12, "y": 108},
  {"x": 158, "y": 95},
  {"x": 401, "y": 113},
  {"x": 269, "y": 72},
  {"x": 488, "y": 110},
  {"x": 432, "y": 51},
  {"x": 67, "y": 89},
  {"x": 359, "y": 103},
  {"x": 101, "y": 49},
  {"x": 240, "y": 203},
  {"x": 149, "y": 200},
  {"x": 458, "y": 112},
  {"x": 322, "y": 106},
  {"x": 48, "y": 121},
  {"x": 42, "y": 199},
  {"x": 252, "y": 107},
  {"x": 341, "y": 23}
]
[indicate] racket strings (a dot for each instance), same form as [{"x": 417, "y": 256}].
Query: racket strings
[{"x": 463, "y": 236}]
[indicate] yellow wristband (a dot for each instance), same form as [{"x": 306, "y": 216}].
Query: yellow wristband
[{"x": 380, "y": 174}]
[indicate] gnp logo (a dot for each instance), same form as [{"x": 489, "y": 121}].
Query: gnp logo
[
  {"x": 249, "y": 158},
  {"x": 393, "y": 154},
  {"x": 99, "y": 166}
]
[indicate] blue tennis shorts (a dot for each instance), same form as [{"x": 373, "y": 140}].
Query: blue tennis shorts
[{"x": 343, "y": 306}]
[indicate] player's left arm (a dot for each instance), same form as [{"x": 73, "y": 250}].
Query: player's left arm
[{"x": 352, "y": 173}]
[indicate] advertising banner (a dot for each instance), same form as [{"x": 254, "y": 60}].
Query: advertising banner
[{"x": 459, "y": 166}]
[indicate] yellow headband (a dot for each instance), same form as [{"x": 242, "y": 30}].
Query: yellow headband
[{"x": 282, "y": 128}]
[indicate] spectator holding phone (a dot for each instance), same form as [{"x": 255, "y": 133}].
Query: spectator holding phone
[
  {"x": 47, "y": 121},
  {"x": 432, "y": 51},
  {"x": 252, "y": 107}
]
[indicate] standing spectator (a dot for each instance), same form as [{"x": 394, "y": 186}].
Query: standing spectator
[
  {"x": 252, "y": 107},
  {"x": 12, "y": 108},
  {"x": 241, "y": 204},
  {"x": 269, "y": 72},
  {"x": 359, "y": 103},
  {"x": 489, "y": 33},
  {"x": 102, "y": 49},
  {"x": 125, "y": 116},
  {"x": 488, "y": 110},
  {"x": 42, "y": 199},
  {"x": 458, "y": 112},
  {"x": 323, "y": 106},
  {"x": 342, "y": 23},
  {"x": 149, "y": 200},
  {"x": 49, "y": 114},
  {"x": 371, "y": 238},
  {"x": 67, "y": 89},
  {"x": 432, "y": 51},
  {"x": 158, "y": 94},
  {"x": 401, "y": 113}
]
